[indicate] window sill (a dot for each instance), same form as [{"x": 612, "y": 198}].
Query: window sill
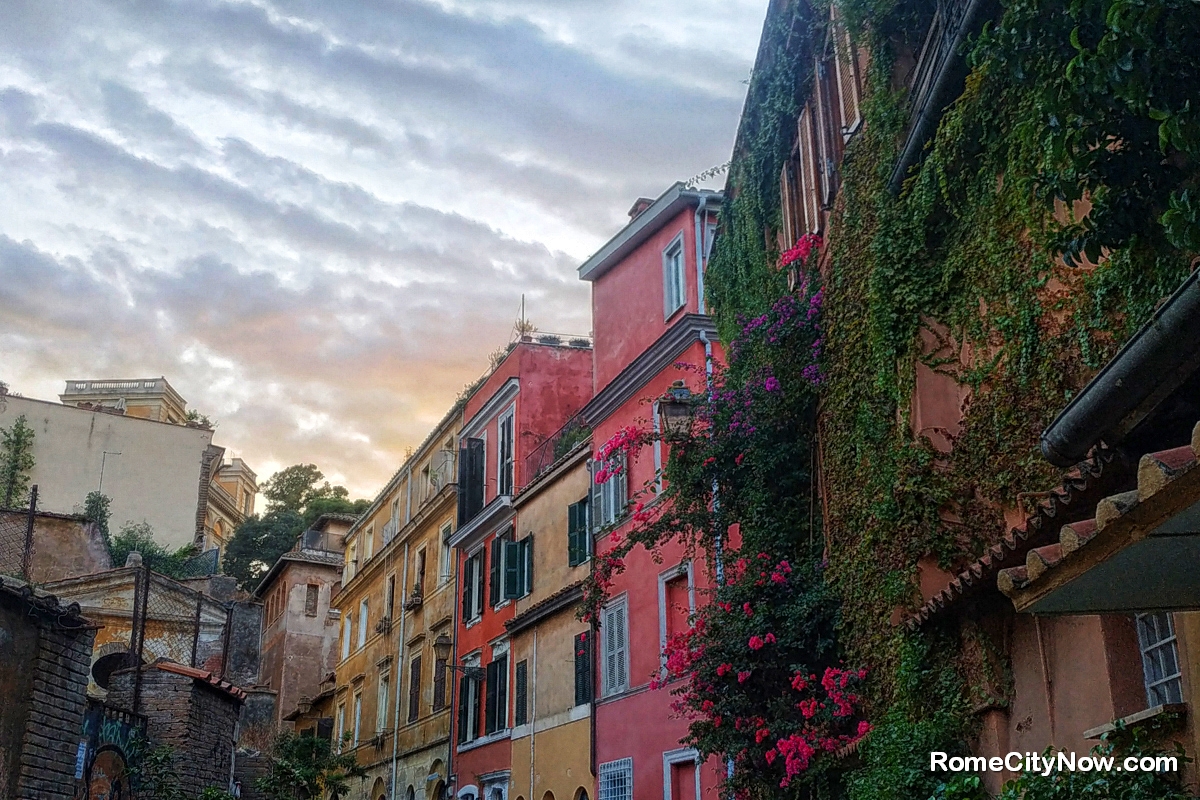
[
  {"x": 673, "y": 314},
  {"x": 485, "y": 740},
  {"x": 1154, "y": 716},
  {"x": 471, "y": 623}
]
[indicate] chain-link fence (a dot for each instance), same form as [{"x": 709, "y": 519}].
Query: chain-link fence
[
  {"x": 16, "y": 538},
  {"x": 175, "y": 622}
]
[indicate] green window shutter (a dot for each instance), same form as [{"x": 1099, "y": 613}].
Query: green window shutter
[
  {"x": 573, "y": 534},
  {"x": 463, "y": 687},
  {"x": 527, "y": 563},
  {"x": 502, "y": 692},
  {"x": 512, "y": 570},
  {"x": 494, "y": 586},
  {"x": 489, "y": 718},
  {"x": 521, "y": 694},
  {"x": 583, "y": 669},
  {"x": 468, "y": 607}
]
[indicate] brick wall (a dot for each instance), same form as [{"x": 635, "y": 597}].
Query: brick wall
[
  {"x": 196, "y": 720},
  {"x": 53, "y": 707}
]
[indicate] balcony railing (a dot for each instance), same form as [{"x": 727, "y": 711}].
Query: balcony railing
[
  {"x": 443, "y": 471},
  {"x": 321, "y": 541},
  {"x": 140, "y": 386},
  {"x": 556, "y": 446}
]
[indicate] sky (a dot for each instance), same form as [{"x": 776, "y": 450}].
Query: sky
[{"x": 316, "y": 219}]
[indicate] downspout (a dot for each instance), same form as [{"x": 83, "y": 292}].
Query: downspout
[
  {"x": 701, "y": 234},
  {"x": 708, "y": 392},
  {"x": 452, "y": 738},
  {"x": 398, "y": 670},
  {"x": 408, "y": 497},
  {"x": 532, "y": 700}
]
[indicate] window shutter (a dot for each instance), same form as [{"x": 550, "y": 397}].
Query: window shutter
[
  {"x": 521, "y": 692},
  {"x": 512, "y": 569},
  {"x": 849, "y": 84},
  {"x": 809, "y": 185},
  {"x": 463, "y": 700},
  {"x": 439, "y": 684},
  {"x": 583, "y": 669},
  {"x": 792, "y": 214},
  {"x": 622, "y": 658},
  {"x": 527, "y": 583},
  {"x": 494, "y": 576},
  {"x": 502, "y": 693},
  {"x": 574, "y": 556},
  {"x": 468, "y": 607},
  {"x": 614, "y": 649},
  {"x": 489, "y": 713},
  {"x": 595, "y": 497},
  {"x": 464, "y": 478},
  {"x": 414, "y": 690}
]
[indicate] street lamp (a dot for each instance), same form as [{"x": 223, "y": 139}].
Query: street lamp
[
  {"x": 675, "y": 409},
  {"x": 441, "y": 651}
]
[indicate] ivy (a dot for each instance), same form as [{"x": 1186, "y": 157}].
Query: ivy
[{"x": 16, "y": 463}]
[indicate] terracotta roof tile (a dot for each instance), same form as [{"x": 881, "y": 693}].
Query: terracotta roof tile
[{"x": 200, "y": 675}]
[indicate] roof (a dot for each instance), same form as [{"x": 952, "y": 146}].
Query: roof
[
  {"x": 561, "y": 600},
  {"x": 67, "y": 616},
  {"x": 669, "y": 204},
  {"x": 300, "y": 556},
  {"x": 1072, "y": 500},
  {"x": 199, "y": 675},
  {"x": 1167, "y": 484}
]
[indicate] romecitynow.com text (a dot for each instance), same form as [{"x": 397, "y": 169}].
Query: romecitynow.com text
[{"x": 1062, "y": 762}]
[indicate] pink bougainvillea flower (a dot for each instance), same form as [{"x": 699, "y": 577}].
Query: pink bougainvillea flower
[
  {"x": 756, "y": 642},
  {"x": 769, "y": 638},
  {"x": 771, "y": 755},
  {"x": 743, "y": 677},
  {"x": 738, "y": 459},
  {"x": 724, "y": 670},
  {"x": 749, "y": 611}
]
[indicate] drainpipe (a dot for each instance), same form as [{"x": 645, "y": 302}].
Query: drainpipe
[
  {"x": 398, "y": 670},
  {"x": 701, "y": 234},
  {"x": 408, "y": 497},
  {"x": 708, "y": 390},
  {"x": 457, "y": 605},
  {"x": 532, "y": 700},
  {"x": 1154, "y": 363}
]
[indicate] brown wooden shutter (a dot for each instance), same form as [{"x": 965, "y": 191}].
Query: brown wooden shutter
[
  {"x": 849, "y": 80},
  {"x": 439, "y": 684},
  {"x": 414, "y": 690},
  {"x": 809, "y": 183},
  {"x": 828, "y": 139},
  {"x": 521, "y": 694}
]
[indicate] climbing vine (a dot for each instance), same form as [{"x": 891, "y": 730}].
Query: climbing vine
[{"x": 16, "y": 463}]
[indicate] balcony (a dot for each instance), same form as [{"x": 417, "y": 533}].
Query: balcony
[
  {"x": 149, "y": 386},
  {"x": 314, "y": 540},
  {"x": 558, "y": 444},
  {"x": 440, "y": 473}
]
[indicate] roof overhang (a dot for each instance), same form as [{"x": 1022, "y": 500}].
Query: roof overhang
[
  {"x": 676, "y": 199},
  {"x": 1139, "y": 553},
  {"x": 493, "y": 515},
  {"x": 495, "y": 404}
]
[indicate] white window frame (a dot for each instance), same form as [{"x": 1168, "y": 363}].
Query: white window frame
[
  {"x": 347, "y": 634},
  {"x": 683, "y": 755},
  {"x": 479, "y": 581},
  {"x": 508, "y": 415},
  {"x": 1165, "y": 688},
  {"x": 623, "y": 767},
  {"x": 368, "y": 543},
  {"x": 674, "y": 276},
  {"x": 613, "y": 685},
  {"x": 445, "y": 553},
  {"x": 665, "y": 577},
  {"x": 341, "y": 725},
  {"x": 351, "y": 565},
  {"x": 381, "y": 701},
  {"x": 474, "y": 723},
  {"x": 357, "y": 715},
  {"x": 364, "y": 608}
]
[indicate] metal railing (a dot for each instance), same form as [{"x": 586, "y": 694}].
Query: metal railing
[{"x": 557, "y": 445}]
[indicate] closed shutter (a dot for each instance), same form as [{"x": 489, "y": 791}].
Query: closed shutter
[
  {"x": 494, "y": 577},
  {"x": 596, "y": 518},
  {"x": 512, "y": 570},
  {"x": 521, "y": 694},
  {"x": 502, "y": 693},
  {"x": 823, "y": 119},
  {"x": 615, "y": 658},
  {"x": 463, "y": 700},
  {"x": 414, "y": 690},
  {"x": 575, "y": 512},
  {"x": 470, "y": 479},
  {"x": 480, "y": 577},
  {"x": 790, "y": 204},
  {"x": 468, "y": 606},
  {"x": 583, "y": 669},
  {"x": 439, "y": 684},
  {"x": 489, "y": 704}
]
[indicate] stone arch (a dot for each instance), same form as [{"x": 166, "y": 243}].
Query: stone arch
[
  {"x": 378, "y": 790},
  {"x": 549, "y": 795},
  {"x": 581, "y": 794}
]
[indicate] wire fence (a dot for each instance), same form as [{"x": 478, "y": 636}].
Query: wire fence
[{"x": 16, "y": 538}]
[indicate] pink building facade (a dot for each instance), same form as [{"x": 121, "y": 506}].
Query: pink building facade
[{"x": 648, "y": 312}]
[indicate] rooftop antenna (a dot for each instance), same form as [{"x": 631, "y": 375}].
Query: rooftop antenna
[{"x": 104, "y": 458}]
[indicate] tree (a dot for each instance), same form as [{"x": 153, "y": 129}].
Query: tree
[
  {"x": 305, "y": 766},
  {"x": 95, "y": 510},
  {"x": 258, "y": 543},
  {"x": 333, "y": 505},
  {"x": 16, "y": 461},
  {"x": 294, "y": 488},
  {"x": 139, "y": 536}
]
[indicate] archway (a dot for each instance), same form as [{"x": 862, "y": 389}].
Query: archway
[
  {"x": 378, "y": 790},
  {"x": 581, "y": 794},
  {"x": 548, "y": 795}
]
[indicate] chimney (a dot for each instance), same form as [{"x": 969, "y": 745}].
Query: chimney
[{"x": 640, "y": 205}]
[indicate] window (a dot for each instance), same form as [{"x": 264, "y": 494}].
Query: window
[
  {"x": 419, "y": 577},
  {"x": 471, "y": 463},
  {"x": 583, "y": 668},
  {"x": 414, "y": 690},
  {"x": 1160, "y": 658},
  {"x": 808, "y": 183},
  {"x": 504, "y": 455},
  {"x": 496, "y": 698},
  {"x": 347, "y": 632},
  {"x": 615, "y": 630},
  {"x": 521, "y": 694},
  {"x": 445, "y": 562},
  {"x": 368, "y": 544},
  {"x": 381, "y": 702},
  {"x": 518, "y": 568},
  {"x": 849, "y": 85},
  {"x": 673, "y": 277},
  {"x": 362, "y": 622},
  {"x": 496, "y": 576},
  {"x": 578, "y": 538},
  {"x": 679, "y": 770},
  {"x": 470, "y": 699},
  {"x": 676, "y": 602},
  {"x": 439, "y": 684},
  {"x": 351, "y": 561},
  {"x": 390, "y": 607},
  {"x": 616, "y": 780},
  {"x": 312, "y": 593},
  {"x": 357, "y": 716},
  {"x": 341, "y": 725},
  {"x": 472, "y": 596},
  {"x": 610, "y": 498}
]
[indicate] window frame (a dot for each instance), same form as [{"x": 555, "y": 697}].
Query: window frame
[
  {"x": 347, "y": 634},
  {"x": 667, "y": 576},
  {"x": 506, "y": 466},
  {"x": 357, "y": 706},
  {"x": 674, "y": 274},
  {"x": 382, "y": 688},
  {"x": 1161, "y": 689},
  {"x": 622, "y": 767},
  {"x": 312, "y": 591},
  {"x": 614, "y": 685},
  {"x": 364, "y": 615}
]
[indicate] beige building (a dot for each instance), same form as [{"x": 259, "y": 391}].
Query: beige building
[
  {"x": 130, "y": 440},
  {"x": 551, "y": 648},
  {"x": 392, "y": 695}
]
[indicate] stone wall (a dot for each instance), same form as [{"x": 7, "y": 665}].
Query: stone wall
[
  {"x": 197, "y": 720},
  {"x": 45, "y": 653},
  {"x": 64, "y": 546}
]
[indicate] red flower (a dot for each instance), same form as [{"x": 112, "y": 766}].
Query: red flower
[
  {"x": 743, "y": 677},
  {"x": 756, "y": 643}
]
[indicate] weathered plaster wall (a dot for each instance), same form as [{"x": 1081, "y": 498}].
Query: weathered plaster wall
[
  {"x": 63, "y": 546},
  {"x": 156, "y": 478}
]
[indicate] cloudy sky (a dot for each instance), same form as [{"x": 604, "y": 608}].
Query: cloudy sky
[{"x": 316, "y": 219}]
